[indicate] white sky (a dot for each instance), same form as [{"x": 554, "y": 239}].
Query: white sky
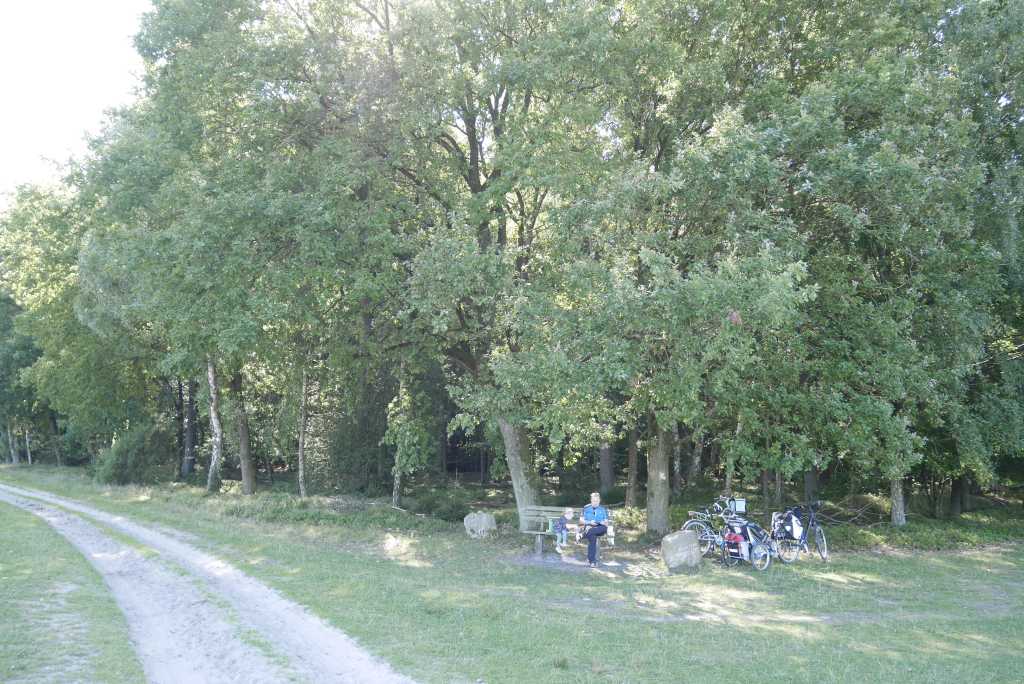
[{"x": 62, "y": 64}]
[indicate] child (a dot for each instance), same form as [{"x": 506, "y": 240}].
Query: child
[{"x": 562, "y": 529}]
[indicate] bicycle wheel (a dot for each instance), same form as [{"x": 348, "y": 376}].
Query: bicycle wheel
[
  {"x": 727, "y": 558},
  {"x": 820, "y": 543},
  {"x": 705, "y": 537},
  {"x": 760, "y": 557},
  {"x": 789, "y": 550}
]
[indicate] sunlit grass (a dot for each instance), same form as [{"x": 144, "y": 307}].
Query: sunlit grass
[
  {"x": 444, "y": 608},
  {"x": 58, "y": 621}
]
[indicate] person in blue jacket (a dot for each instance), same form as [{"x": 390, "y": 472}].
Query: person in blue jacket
[{"x": 594, "y": 520}]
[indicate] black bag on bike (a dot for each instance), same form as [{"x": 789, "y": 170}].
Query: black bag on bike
[{"x": 789, "y": 524}]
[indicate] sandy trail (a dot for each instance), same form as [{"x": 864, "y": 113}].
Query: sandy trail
[{"x": 183, "y": 636}]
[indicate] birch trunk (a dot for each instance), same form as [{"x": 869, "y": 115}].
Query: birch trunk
[
  {"x": 606, "y": 468},
  {"x": 632, "y": 464},
  {"x": 244, "y": 442},
  {"x": 899, "y": 512},
  {"x": 303, "y": 418},
  {"x": 658, "y": 484},
  {"x": 213, "y": 477},
  {"x": 396, "y": 489},
  {"x": 514, "y": 438},
  {"x": 28, "y": 446}
]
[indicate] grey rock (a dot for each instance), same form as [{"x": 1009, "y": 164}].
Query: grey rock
[
  {"x": 681, "y": 552},
  {"x": 479, "y": 524}
]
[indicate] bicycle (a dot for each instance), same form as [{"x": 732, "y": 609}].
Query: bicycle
[
  {"x": 745, "y": 540},
  {"x": 703, "y": 524},
  {"x": 790, "y": 543}
]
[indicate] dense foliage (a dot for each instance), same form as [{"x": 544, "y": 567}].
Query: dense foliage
[{"x": 752, "y": 241}]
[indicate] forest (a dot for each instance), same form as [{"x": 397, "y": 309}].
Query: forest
[{"x": 382, "y": 248}]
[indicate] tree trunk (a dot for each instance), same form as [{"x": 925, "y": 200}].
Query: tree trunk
[
  {"x": 515, "y": 442},
  {"x": 188, "y": 461},
  {"x": 778, "y": 488},
  {"x": 696, "y": 452},
  {"x": 244, "y": 441},
  {"x": 658, "y": 485},
  {"x": 179, "y": 423},
  {"x": 607, "y": 468},
  {"x": 956, "y": 497},
  {"x": 730, "y": 462},
  {"x": 677, "y": 461},
  {"x": 28, "y": 446},
  {"x": 12, "y": 443},
  {"x": 632, "y": 465},
  {"x": 396, "y": 489},
  {"x": 810, "y": 484},
  {"x": 899, "y": 512},
  {"x": 56, "y": 438},
  {"x": 303, "y": 419},
  {"x": 213, "y": 477}
]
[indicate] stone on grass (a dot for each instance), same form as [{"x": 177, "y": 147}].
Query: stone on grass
[
  {"x": 681, "y": 552},
  {"x": 479, "y": 524}
]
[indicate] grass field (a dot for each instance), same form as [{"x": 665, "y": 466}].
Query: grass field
[
  {"x": 57, "y": 621},
  {"x": 443, "y": 608}
]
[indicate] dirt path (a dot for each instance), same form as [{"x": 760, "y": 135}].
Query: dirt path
[{"x": 207, "y": 621}]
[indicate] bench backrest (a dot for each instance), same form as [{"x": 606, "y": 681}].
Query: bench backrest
[{"x": 538, "y": 518}]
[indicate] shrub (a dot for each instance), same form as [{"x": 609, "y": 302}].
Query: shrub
[
  {"x": 139, "y": 455},
  {"x": 447, "y": 504}
]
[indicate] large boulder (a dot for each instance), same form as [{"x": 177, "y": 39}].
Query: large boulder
[
  {"x": 479, "y": 524},
  {"x": 681, "y": 552}
]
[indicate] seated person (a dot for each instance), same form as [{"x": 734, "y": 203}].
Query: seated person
[
  {"x": 562, "y": 529},
  {"x": 594, "y": 521}
]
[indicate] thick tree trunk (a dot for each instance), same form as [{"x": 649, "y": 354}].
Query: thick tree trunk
[
  {"x": 899, "y": 512},
  {"x": 633, "y": 464},
  {"x": 658, "y": 485},
  {"x": 810, "y": 484},
  {"x": 515, "y": 442},
  {"x": 213, "y": 477},
  {"x": 28, "y": 446},
  {"x": 188, "y": 461},
  {"x": 956, "y": 497},
  {"x": 778, "y": 488},
  {"x": 607, "y": 468},
  {"x": 303, "y": 421},
  {"x": 244, "y": 441}
]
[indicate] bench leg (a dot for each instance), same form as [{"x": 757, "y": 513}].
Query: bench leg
[{"x": 538, "y": 545}]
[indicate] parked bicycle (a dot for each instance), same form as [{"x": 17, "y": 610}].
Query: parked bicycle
[
  {"x": 708, "y": 523},
  {"x": 744, "y": 540},
  {"x": 792, "y": 529}
]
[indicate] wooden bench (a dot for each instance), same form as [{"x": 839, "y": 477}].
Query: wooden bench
[{"x": 540, "y": 522}]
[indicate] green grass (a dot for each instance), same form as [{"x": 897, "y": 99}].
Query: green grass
[
  {"x": 443, "y": 608},
  {"x": 58, "y": 621}
]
